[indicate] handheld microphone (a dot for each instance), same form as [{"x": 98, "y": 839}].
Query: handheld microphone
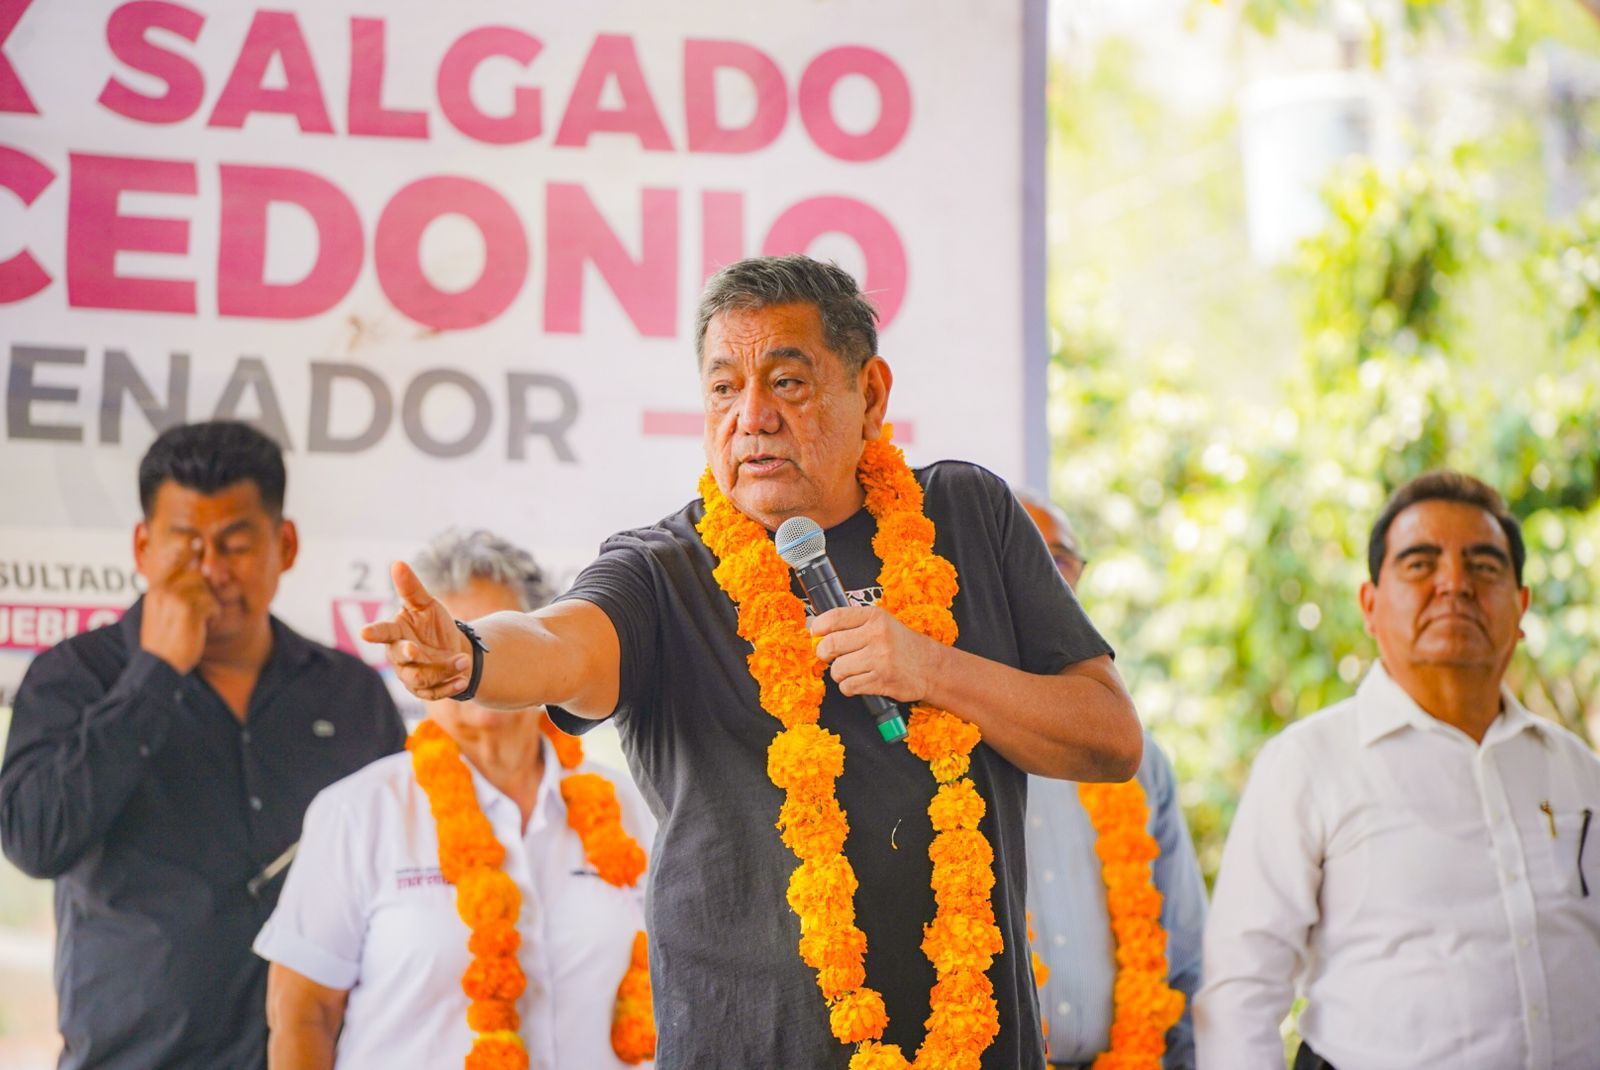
[{"x": 803, "y": 547}]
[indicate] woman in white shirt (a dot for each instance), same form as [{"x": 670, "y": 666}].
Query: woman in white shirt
[{"x": 371, "y": 963}]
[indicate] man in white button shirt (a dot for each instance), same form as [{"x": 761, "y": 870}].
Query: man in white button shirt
[{"x": 1412, "y": 860}]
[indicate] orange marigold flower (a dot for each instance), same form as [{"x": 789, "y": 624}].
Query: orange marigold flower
[
  {"x": 1121, "y": 877},
  {"x": 858, "y": 1016},
  {"x": 595, "y": 815},
  {"x": 958, "y": 847},
  {"x": 812, "y": 828},
  {"x": 1126, "y": 845},
  {"x": 633, "y": 1025},
  {"x": 963, "y": 1011},
  {"x": 767, "y": 611},
  {"x": 1041, "y": 972},
  {"x": 615, "y": 855},
  {"x": 485, "y": 895},
  {"x": 633, "y": 1038},
  {"x": 753, "y": 568},
  {"x": 496, "y": 977},
  {"x": 912, "y": 531},
  {"x": 500, "y": 1050},
  {"x": 840, "y": 946},
  {"x": 956, "y": 942},
  {"x": 954, "y": 1052},
  {"x": 591, "y": 802},
  {"x": 963, "y": 887},
  {"x": 794, "y": 702},
  {"x": 956, "y": 806},
  {"x": 569, "y": 749},
  {"x": 639, "y": 955},
  {"x": 435, "y": 757},
  {"x": 823, "y": 885},
  {"x": 933, "y": 734},
  {"x": 495, "y": 938},
  {"x": 492, "y": 1015},
  {"x": 875, "y": 1056},
  {"x": 464, "y": 846},
  {"x": 426, "y": 732},
  {"x": 1114, "y": 806},
  {"x": 953, "y": 767},
  {"x": 835, "y": 981},
  {"x": 1142, "y": 958},
  {"x": 933, "y": 621},
  {"x": 805, "y": 756},
  {"x": 783, "y": 655},
  {"x": 1140, "y": 900},
  {"x": 918, "y": 580}
]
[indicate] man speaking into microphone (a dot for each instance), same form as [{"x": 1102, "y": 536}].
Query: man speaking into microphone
[{"x": 819, "y": 897}]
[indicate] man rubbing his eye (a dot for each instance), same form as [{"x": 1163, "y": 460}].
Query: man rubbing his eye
[
  {"x": 1418, "y": 860},
  {"x": 158, "y": 768}
]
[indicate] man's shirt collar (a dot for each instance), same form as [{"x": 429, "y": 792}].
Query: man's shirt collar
[{"x": 1383, "y": 707}]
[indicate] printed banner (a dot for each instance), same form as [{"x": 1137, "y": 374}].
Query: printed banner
[{"x": 448, "y": 255}]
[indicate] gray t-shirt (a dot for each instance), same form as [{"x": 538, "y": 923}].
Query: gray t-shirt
[{"x": 730, "y": 987}]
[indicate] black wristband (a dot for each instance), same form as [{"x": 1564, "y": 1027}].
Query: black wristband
[{"x": 478, "y": 651}]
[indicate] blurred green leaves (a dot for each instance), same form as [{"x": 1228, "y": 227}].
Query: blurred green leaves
[{"x": 1228, "y": 539}]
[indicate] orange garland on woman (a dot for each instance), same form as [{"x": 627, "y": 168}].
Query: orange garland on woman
[
  {"x": 487, "y": 899},
  {"x": 805, "y": 760},
  {"x": 594, "y": 814}
]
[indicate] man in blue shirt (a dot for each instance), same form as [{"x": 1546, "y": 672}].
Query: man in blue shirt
[{"x": 1067, "y": 897}]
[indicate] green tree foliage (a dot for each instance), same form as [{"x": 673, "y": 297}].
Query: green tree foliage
[
  {"x": 1509, "y": 28},
  {"x": 1227, "y": 540}
]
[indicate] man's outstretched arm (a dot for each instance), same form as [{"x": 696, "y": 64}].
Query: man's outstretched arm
[{"x": 564, "y": 655}]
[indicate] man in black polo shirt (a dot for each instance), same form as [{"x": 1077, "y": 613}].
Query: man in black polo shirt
[{"x": 158, "y": 768}]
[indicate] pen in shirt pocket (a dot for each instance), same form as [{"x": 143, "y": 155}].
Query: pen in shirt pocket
[
  {"x": 1583, "y": 838},
  {"x": 1549, "y": 815}
]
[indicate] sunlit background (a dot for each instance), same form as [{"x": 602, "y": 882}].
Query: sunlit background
[{"x": 1300, "y": 251}]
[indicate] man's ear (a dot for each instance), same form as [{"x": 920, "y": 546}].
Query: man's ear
[
  {"x": 875, "y": 380},
  {"x": 1369, "y": 601},
  {"x": 141, "y": 546},
  {"x": 288, "y": 544}
]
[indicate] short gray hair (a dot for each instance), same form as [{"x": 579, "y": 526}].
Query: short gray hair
[
  {"x": 453, "y": 559},
  {"x": 849, "y": 322}
]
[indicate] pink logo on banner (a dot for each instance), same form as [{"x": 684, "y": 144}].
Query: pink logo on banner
[
  {"x": 37, "y": 628},
  {"x": 349, "y": 615}
]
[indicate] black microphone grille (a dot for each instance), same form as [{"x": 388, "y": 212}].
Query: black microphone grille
[{"x": 800, "y": 541}]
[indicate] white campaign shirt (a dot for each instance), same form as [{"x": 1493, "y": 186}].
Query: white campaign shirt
[
  {"x": 1413, "y": 886},
  {"x": 365, "y": 909}
]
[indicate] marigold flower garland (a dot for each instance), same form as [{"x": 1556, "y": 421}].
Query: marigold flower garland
[
  {"x": 805, "y": 760},
  {"x": 594, "y": 814},
  {"x": 1144, "y": 1006},
  {"x": 489, "y": 902}
]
